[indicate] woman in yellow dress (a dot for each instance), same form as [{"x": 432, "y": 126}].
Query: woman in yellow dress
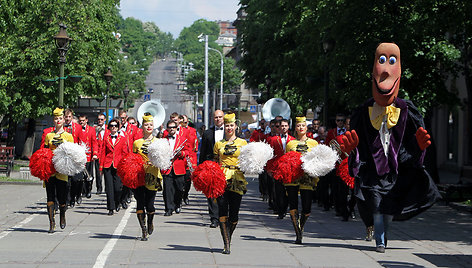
[
  {"x": 56, "y": 186},
  {"x": 145, "y": 195},
  {"x": 226, "y": 152},
  {"x": 305, "y": 184}
]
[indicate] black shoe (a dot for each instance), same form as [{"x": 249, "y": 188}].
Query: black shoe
[
  {"x": 117, "y": 208},
  {"x": 353, "y": 214},
  {"x": 128, "y": 200},
  {"x": 71, "y": 204},
  {"x": 110, "y": 212},
  {"x": 177, "y": 210},
  {"x": 281, "y": 216},
  {"x": 380, "y": 249},
  {"x": 186, "y": 202},
  {"x": 124, "y": 205},
  {"x": 99, "y": 191},
  {"x": 79, "y": 200},
  {"x": 214, "y": 223},
  {"x": 88, "y": 195},
  {"x": 168, "y": 213}
]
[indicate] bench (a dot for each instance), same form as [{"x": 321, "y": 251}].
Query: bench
[
  {"x": 460, "y": 191},
  {"x": 7, "y": 155}
]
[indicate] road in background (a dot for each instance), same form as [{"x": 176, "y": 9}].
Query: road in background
[{"x": 162, "y": 80}]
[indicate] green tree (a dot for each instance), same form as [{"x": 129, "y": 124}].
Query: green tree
[
  {"x": 187, "y": 43},
  {"x": 282, "y": 41}
]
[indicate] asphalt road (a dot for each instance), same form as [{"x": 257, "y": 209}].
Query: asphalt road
[
  {"x": 440, "y": 237},
  {"x": 162, "y": 79}
]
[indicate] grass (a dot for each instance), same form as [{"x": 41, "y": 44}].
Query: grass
[
  {"x": 8, "y": 179},
  {"x": 467, "y": 203}
]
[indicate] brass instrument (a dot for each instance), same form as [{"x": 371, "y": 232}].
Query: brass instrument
[
  {"x": 179, "y": 149},
  {"x": 335, "y": 146}
]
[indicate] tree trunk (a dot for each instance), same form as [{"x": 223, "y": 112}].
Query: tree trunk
[
  {"x": 11, "y": 131},
  {"x": 30, "y": 138}
]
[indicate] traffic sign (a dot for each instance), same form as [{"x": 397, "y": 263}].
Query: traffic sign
[
  {"x": 253, "y": 108},
  {"x": 147, "y": 97}
]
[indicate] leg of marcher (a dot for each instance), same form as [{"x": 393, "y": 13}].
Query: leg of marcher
[{"x": 379, "y": 232}]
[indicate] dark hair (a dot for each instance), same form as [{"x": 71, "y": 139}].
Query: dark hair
[
  {"x": 84, "y": 116},
  {"x": 122, "y": 112},
  {"x": 101, "y": 114},
  {"x": 174, "y": 114},
  {"x": 130, "y": 118},
  {"x": 284, "y": 121},
  {"x": 170, "y": 122},
  {"x": 114, "y": 120},
  {"x": 340, "y": 115}
]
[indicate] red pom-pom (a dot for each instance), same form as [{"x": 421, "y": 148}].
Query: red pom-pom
[
  {"x": 343, "y": 172},
  {"x": 288, "y": 167},
  {"x": 131, "y": 170},
  {"x": 209, "y": 179},
  {"x": 41, "y": 164}
]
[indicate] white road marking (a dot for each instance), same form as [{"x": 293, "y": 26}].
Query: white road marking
[
  {"x": 19, "y": 225},
  {"x": 103, "y": 256}
]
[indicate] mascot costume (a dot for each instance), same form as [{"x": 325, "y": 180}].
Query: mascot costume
[{"x": 386, "y": 148}]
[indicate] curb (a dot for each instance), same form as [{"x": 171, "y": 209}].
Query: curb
[
  {"x": 461, "y": 207},
  {"x": 21, "y": 182}
]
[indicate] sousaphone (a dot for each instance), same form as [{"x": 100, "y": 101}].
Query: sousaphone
[
  {"x": 275, "y": 107},
  {"x": 155, "y": 108}
]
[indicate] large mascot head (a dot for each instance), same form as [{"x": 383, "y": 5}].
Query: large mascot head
[{"x": 386, "y": 74}]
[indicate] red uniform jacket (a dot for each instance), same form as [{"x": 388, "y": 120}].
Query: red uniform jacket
[
  {"x": 332, "y": 134},
  {"x": 88, "y": 138},
  {"x": 73, "y": 129},
  {"x": 258, "y": 135},
  {"x": 133, "y": 133},
  {"x": 192, "y": 144},
  {"x": 180, "y": 162},
  {"x": 112, "y": 153},
  {"x": 45, "y": 132},
  {"x": 276, "y": 143},
  {"x": 100, "y": 139}
]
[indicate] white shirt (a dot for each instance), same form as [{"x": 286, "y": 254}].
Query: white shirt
[
  {"x": 171, "y": 140},
  {"x": 219, "y": 134},
  {"x": 102, "y": 132},
  {"x": 341, "y": 131},
  {"x": 283, "y": 137},
  {"x": 384, "y": 133}
]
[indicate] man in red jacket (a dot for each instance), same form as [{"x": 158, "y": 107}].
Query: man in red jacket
[
  {"x": 87, "y": 138},
  {"x": 100, "y": 131},
  {"x": 192, "y": 149},
  {"x": 174, "y": 180},
  {"x": 278, "y": 143}
]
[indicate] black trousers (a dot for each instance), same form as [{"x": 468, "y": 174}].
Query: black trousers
[
  {"x": 145, "y": 199},
  {"x": 229, "y": 204},
  {"x": 114, "y": 187},
  {"x": 98, "y": 176},
  {"x": 263, "y": 184},
  {"x": 188, "y": 184},
  {"x": 125, "y": 194},
  {"x": 76, "y": 186},
  {"x": 56, "y": 189},
  {"x": 326, "y": 190},
  {"x": 213, "y": 209},
  {"x": 280, "y": 197},
  {"x": 365, "y": 211},
  {"x": 305, "y": 196},
  {"x": 173, "y": 190},
  {"x": 342, "y": 191},
  {"x": 271, "y": 192},
  {"x": 88, "y": 182}
]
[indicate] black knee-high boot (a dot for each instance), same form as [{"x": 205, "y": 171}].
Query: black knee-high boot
[
  {"x": 142, "y": 222},
  {"x": 62, "y": 211},
  {"x": 296, "y": 226},
  {"x": 303, "y": 219},
  {"x": 150, "y": 218},
  {"x": 225, "y": 234},
  {"x": 231, "y": 227},
  {"x": 52, "y": 222}
]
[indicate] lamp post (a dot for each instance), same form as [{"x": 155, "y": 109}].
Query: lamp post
[
  {"x": 328, "y": 45},
  {"x": 125, "y": 94},
  {"x": 108, "y": 77},
  {"x": 206, "y": 97},
  {"x": 62, "y": 41},
  {"x": 221, "y": 76}
]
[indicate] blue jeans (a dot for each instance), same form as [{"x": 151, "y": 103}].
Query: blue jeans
[{"x": 381, "y": 223}]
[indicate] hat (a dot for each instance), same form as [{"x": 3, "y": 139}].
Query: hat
[
  {"x": 229, "y": 118},
  {"x": 147, "y": 117},
  {"x": 59, "y": 111},
  {"x": 300, "y": 119}
]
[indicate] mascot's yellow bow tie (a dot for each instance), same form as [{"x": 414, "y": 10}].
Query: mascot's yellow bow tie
[{"x": 377, "y": 113}]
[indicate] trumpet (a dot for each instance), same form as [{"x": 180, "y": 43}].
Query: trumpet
[
  {"x": 179, "y": 149},
  {"x": 335, "y": 146}
]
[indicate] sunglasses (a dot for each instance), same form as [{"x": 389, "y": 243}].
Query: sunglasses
[
  {"x": 339, "y": 120},
  {"x": 100, "y": 119},
  {"x": 171, "y": 127},
  {"x": 113, "y": 125}
]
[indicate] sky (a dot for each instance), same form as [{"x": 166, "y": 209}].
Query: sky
[{"x": 173, "y": 15}]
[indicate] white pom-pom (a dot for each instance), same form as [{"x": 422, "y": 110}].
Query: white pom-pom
[
  {"x": 319, "y": 161},
  {"x": 254, "y": 157},
  {"x": 69, "y": 158},
  {"x": 160, "y": 154}
]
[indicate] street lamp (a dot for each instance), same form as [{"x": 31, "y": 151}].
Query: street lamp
[
  {"x": 202, "y": 38},
  {"x": 62, "y": 41},
  {"x": 108, "y": 77},
  {"x": 221, "y": 76},
  {"x": 125, "y": 94},
  {"x": 328, "y": 46}
]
